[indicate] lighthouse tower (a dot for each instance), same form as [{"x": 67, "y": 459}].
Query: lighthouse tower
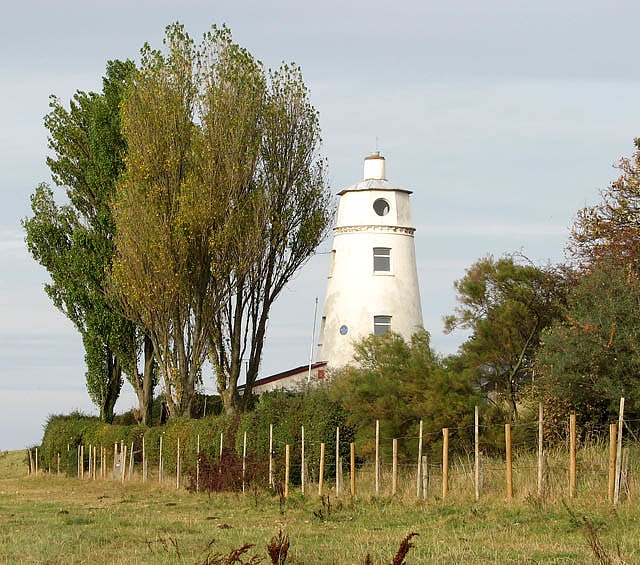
[{"x": 373, "y": 281}]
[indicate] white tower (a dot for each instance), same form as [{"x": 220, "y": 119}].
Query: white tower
[{"x": 373, "y": 281}]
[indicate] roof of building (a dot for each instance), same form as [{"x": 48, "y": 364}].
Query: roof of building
[
  {"x": 286, "y": 374},
  {"x": 373, "y": 184}
]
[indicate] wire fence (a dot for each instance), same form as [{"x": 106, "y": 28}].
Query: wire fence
[{"x": 528, "y": 467}]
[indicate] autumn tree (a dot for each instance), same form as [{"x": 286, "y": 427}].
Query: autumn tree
[
  {"x": 293, "y": 217},
  {"x": 590, "y": 356},
  {"x": 610, "y": 230},
  {"x": 505, "y": 305},
  {"x": 74, "y": 241}
]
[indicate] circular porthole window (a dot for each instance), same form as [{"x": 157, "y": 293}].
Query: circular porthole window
[{"x": 381, "y": 207}]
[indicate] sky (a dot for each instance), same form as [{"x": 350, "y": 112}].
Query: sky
[{"x": 504, "y": 117}]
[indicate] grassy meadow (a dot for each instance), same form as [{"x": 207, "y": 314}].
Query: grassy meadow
[{"x": 51, "y": 519}]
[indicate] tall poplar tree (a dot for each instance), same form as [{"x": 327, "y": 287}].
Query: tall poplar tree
[
  {"x": 295, "y": 213},
  {"x": 75, "y": 241},
  {"x": 222, "y": 201}
]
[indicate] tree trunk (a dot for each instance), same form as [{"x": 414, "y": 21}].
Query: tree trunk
[
  {"x": 114, "y": 385},
  {"x": 145, "y": 392},
  {"x": 231, "y": 400}
]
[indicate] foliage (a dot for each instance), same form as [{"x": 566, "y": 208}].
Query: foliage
[
  {"x": 288, "y": 413},
  {"x": 291, "y": 218},
  {"x": 226, "y": 473},
  {"x": 590, "y": 358},
  {"x": 399, "y": 384},
  {"x": 74, "y": 241},
  {"x": 222, "y": 201},
  {"x": 610, "y": 231},
  {"x": 505, "y": 305}
]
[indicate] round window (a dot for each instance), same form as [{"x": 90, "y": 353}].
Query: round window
[{"x": 381, "y": 207}]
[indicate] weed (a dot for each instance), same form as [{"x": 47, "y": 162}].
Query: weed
[
  {"x": 223, "y": 475},
  {"x": 398, "y": 558},
  {"x": 326, "y": 505},
  {"x": 278, "y": 547},
  {"x": 165, "y": 544},
  {"x": 592, "y": 536},
  {"x": 236, "y": 556},
  {"x": 405, "y": 546}
]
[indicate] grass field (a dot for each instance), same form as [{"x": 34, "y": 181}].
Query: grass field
[{"x": 50, "y": 519}]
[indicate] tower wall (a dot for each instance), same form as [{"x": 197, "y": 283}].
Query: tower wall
[{"x": 364, "y": 283}]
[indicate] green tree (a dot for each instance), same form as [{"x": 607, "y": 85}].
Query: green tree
[
  {"x": 505, "y": 306},
  {"x": 74, "y": 241},
  {"x": 399, "y": 384},
  {"x": 590, "y": 358}
]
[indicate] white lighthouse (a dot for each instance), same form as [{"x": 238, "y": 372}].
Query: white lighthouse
[{"x": 373, "y": 281}]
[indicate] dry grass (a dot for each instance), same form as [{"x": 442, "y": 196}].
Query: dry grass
[{"x": 50, "y": 519}]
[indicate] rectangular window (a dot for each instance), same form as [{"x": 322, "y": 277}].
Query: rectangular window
[
  {"x": 333, "y": 263},
  {"x": 381, "y": 259},
  {"x": 381, "y": 324}
]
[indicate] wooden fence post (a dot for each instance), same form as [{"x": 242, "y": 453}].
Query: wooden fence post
[
  {"x": 476, "y": 451},
  {"x": 178, "y": 464},
  {"x": 572, "y": 455},
  {"x": 507, "y": 441},
  {"x": 425, "y": 477},
  {"x": 337, "y": 460},
  {"x": 445, "y": 462},
  {"x": 244, "y": 459},
  {"x": 302, "y": 477},
  {"x": 377, "y": 462},
  {"x": 321, "y": 473},
  {"x": 352, "y": 462},
  {"x": 160, "y": 463},
  {"x": 394, "y": 469},
  {"x": 286, "y": 470},
  {"x": 540, "y": 449},
  {"x": 616, "y": 492},
  {"x": 123, "y": 464},
  {"x": 271, "y": 485},
  {"x": 144, "y": 461},
  {"x": 613, "y": 432},
  {"x": 198, "y": 460},
  {"x": 419, "y": 465}
]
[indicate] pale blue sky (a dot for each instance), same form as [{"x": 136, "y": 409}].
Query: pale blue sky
[{"x": 504, "y": 117}]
